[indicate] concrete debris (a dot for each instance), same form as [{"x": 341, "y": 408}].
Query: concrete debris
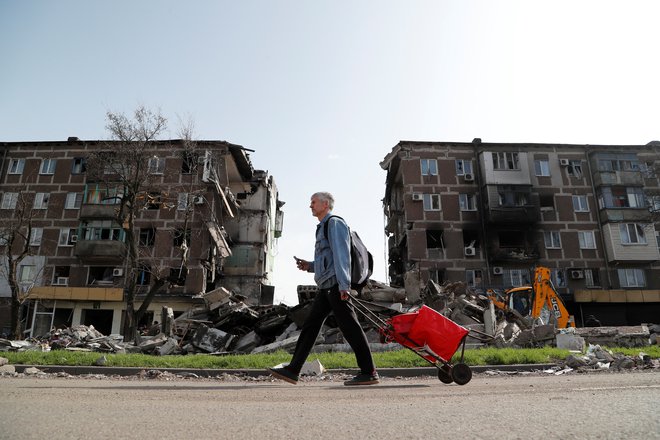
[{"x": 225, "y": 323}]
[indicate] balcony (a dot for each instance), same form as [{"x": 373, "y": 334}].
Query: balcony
[
  {"x": 66, "y": 293},
  {"x": 100, "y": 251},
  {"x": 627, "y": 178},
  {"x": 513, "y": 214},
  {"x": 90, "y": 211},
  {"x": 625, "y": 215}
]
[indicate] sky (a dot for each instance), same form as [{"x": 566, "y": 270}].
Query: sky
[{"x": 323, "y": 90}]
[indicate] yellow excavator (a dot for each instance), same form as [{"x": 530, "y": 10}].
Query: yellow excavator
[{"x": 539, "y": 303}]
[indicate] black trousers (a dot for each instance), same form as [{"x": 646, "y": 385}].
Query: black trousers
[{"x": 326, "y": 301}]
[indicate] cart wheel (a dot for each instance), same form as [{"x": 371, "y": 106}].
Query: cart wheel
[
  {"x": 444, "y": 374},
  {"x": 461, "y": 374}
]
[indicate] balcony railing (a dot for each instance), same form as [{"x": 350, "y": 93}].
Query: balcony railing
[{"x": 100, "y": 250}]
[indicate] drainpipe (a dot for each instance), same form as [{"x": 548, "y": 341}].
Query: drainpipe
[
  {"x": 600, "y": 226},
  {"x": 2, "y": 164},
  {"x": 482, "y": 217}
]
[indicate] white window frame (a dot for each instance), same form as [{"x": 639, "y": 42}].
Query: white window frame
[
  {"x": 35, "y": 236},
  {"x": 506, "y": 161},
  {"x": 48, "y": 166},
  {"x": 463, "y": 167},
  {"x": 467, "y": 202},
  {"x": 429, "y": 167},
  {"x": 16, "y": 166},
  {"x": 631, "y": 277},
  {"x": 589, "y": 278},
  {"x": 542, "y": 167},
  {"x": 587, "y": 239},
  {"x": 78, "y": 165},
  {"x": 432, "y": 202},
  {"x": 41, "y": 200},
  {"x": 73, "y": 200},
  {"x": 552, "y": 239},
  {"x": 632, "y": 234},
  {"x": 580, "y": 203},
  {"x": 27, "y": 273},
  {"x": 517, "y": 277},
  {"x": 65, "y": 237},
  {"x": 156, "y": 165},
  {"x": 9, "y": 200},
  {"x": 471, "y": 276}
]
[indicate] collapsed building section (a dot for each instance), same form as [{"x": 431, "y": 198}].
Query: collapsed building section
[{"x": 207, "y": 220}]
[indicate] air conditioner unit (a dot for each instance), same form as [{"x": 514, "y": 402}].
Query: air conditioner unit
[
  {"x": 73, "y": 238},
  {"x": 497, "y": 270},
  {"x": 117, "y": 272},
  {"x": 564, "y": 162},
  {"x": 470, "y": 251},
  {"x": 418, "y": 196},
  {"x": 577, "y": 274},
  {"x": 62, "y": 281},
  {"x": 468, "y": 177},
  {"x": 199, "y": 200}
]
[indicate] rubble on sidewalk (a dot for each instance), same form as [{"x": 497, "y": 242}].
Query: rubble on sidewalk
[{"x": 226, "y": 324}]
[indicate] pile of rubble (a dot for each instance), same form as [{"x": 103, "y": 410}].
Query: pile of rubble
[{"x": 224, "y": 323}]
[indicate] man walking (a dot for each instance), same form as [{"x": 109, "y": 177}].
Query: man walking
[{"x": 332, "y": 269}]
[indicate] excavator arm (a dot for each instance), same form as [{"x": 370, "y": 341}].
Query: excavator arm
[{"x": 547, "y": 299}]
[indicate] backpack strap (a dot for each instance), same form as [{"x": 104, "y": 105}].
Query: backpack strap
[{"x": 325, "y": 225}]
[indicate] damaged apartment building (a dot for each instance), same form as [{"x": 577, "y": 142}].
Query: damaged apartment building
[
  {"x": 488, "y": 213},
  {"x": 210, "y": 220}
]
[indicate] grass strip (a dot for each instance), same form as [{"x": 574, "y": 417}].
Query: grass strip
[{"x": 391, "y": 359}]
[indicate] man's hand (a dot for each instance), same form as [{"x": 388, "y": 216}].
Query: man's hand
[
  {"x": 344, "y": 295},
  {"x": 302, "y": 264}
]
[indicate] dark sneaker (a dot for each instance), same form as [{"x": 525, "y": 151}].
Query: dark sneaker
[
  {"x": 284, "y": 374},
  {"x": 363, "y": 379}
]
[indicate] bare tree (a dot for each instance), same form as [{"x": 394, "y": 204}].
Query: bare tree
[
  {"x": 124, "y": 168},
  {"x": 15, "y": 234}
]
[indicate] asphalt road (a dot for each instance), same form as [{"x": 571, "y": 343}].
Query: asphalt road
[{"x": 531, "y": 406}]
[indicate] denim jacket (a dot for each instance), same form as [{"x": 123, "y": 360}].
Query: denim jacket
[{"x": 332, "y": 256}]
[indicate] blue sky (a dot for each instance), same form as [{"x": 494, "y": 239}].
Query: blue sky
[{"x": 322, "y": 90}]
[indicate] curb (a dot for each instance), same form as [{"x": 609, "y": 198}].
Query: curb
[{"x": 383, "y": 372}]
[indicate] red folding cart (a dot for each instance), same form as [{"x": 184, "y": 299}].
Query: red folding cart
[{"x": 428, "y": 334}]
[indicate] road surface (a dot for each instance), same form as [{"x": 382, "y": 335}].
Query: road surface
[{"x": 602, "y": 405}]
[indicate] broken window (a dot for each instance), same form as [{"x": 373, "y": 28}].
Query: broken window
[
  {"x": 79, "y": 165},
  {"x": 558, "y": 277},
  {"x": 153, "y": 200},
  {"x": 100, "y": 275},
  {"x": 547, "y": 201},
  {"x": 147, "y": 236},
  {"x": 437, "y": 275},
  {"x": 467, "y": 202},
  {"x": 179, "y": 235},
  {"x": 519, "y": 277},
  {"x": 144, "y": 276},
  {"x": 632, "y": 233},
  {"x": 574, "y": 169},
  {"x": 182, "y": 201},
  {"x": 61, "y": 275},
  {"x": 16, "y": 166},
  {"x": 41, "y": 200},
  {"x": 510, "y": 196},
  {"x": 434, "y": 243},
  {"x": 96, "y": 194},
  {"x": 505, "y": 161},
  {"x": 189, "y": 163},
  {"x": 102, "y": 230},
  {"x": 470, "y": 238},
  {"x": 431, "y": 202},
  {"x": 68, "y": 237},
  {"x": 474, "y": 277},
  {"x": 463, "y": 167},
  {"x": 178, "y": 276},
  {"x": 592, "y": 277}
]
